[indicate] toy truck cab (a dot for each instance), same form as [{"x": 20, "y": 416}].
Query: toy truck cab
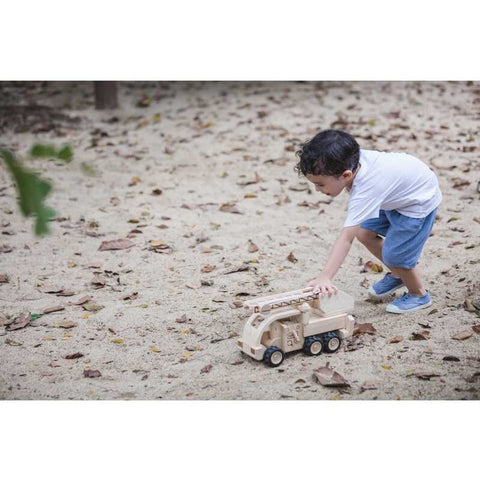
[{"x": 296, "y": 320}]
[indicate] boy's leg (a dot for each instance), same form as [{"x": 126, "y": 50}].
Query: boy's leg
[
  {"x": 402, "y": 247},
  {"x": 411, "y": 278},
  {"x": 372, "y": 241}
]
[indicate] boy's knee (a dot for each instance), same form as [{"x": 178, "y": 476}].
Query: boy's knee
[{"x": 365, "y": 236}]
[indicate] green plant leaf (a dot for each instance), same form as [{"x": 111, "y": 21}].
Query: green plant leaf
[
  {"x": 49, "y": 151},
  {"x": 41, "y": 151},
  {"x": 65, "y": 154},
  {"x": 32, "y": 191}
]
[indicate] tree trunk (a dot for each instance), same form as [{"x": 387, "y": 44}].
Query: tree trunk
[{"x": 105, "y": 95}]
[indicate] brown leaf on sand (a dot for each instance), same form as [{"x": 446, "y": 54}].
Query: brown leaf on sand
[
  {"x": 462, "y": 335},
  {"x": 368, "y": 386},
  {"x": 423, "y": 335},
  {"x": 50, "y": 289},
  {"x": 13, "y": 343},
  {"x": 450, "y": 358},
  {"x": 80, "y": 301},
  {"x": 5, "y": 321},
  {"x": 98, "y": 281},
  {"x": 459, "y": 182},
  {"x": 396, "y": 339},
  {"x": 21, "y": 322},
  {"x": 252, "y": 248},
  {"x": 371, "y": 267},
  {"x": 66, "y": 324},
  {"x": 182, "y": 319},
  {"x": 74, "y": 355},
  {"x": 230, "y": 208},
  {"x": 131, "y": 296},
  {"x": 4, "y": 278},
  {"x": 476, "y": 328},
  {"x": 426, "y": 375},
  {"x": 133, "y": 181},
  {"x": 92, "y": 307},
  {"x": 91, "y": 373},
  {"x": 206, "y": 369},
  {"x": 291, "y": 258},
  {"x": 365, "y": 283},
  {"x": 119, "y": 244},
  {"x": 57, "y": 308},
  {"x": 329, "y": 378},
  {"x": 360, "y": 328},
  {"x": 207, "y": 268},
  {"x": 468, "y": 305},
  {"x": 65, "y": 293},
  {"x": 235, "y": 268}
]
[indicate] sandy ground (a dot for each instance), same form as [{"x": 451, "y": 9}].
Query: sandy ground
[{"x": 205, "y": 145}]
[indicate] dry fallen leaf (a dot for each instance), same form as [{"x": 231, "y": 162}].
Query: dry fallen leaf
[
  {"x": 462, "y": 335},
  {"x": 92, "y": 307},
  {"x": 98, "y": 281},
  {"x": 119, "y": 244},
  {"x": 134, "y": 180},
  {"x": 74, "y": 355},
  {"x": 131, "y": 296},
  {"x": 230, "y": 208},
  {"x": 426, "y": 375},
  {"x": 291, "y": 258},
  {"x": 450, "y": 358},
  {"x": 65, "y": 293},
  {"x": 57, "y": 308},
  {"x": 80, "y": 301},
  {"x": 372, "y": 267},
  {"x": 365, "y": 283},
  {"x": 252, "y": 248},
  {"x": 207, "y": 268},
  {"x": 360, "y": 328},
  {"x": 329, "y": 378},
  {"x": 396, "y": 339},
  {"x": 368, "y": 386},
  {"x": 21, "y": 322},
  {"x": 4, "y": 278},
  {"x": 154, "y": 350},
  {"x": 206, "y": 369},
  {"x": 13, "y": 343},
  {"x": 117, "y": 340},
  {"x": 66, "y": 324},
  {"x": 91, "y": 373},
  {"x": 423, "y": 335}
]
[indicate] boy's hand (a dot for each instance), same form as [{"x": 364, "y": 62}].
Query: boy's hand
[{"x": 323, "y": 284}]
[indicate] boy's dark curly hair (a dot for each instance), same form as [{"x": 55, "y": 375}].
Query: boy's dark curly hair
[{"x": 329, "y": 153}]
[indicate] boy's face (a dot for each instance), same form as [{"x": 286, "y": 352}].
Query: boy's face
[{"x": 332, "y": 186}]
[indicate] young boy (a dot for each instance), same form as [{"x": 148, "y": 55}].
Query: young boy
[{"x": 392, "y": 195}]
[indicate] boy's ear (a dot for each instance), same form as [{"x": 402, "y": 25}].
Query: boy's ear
[{"x": 347, "y": 174}]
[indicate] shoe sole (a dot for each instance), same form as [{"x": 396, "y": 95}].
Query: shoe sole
[
  {"x": 373, "y": 294},
  {"x": 395, "y": 309}
]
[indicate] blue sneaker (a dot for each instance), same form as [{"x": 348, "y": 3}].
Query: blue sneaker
[
  {"x": 385, "y": 287},
  {"x": 409, "y": 303}
]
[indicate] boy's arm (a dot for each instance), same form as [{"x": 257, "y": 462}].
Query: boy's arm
[{"x": 340, "y": 249}]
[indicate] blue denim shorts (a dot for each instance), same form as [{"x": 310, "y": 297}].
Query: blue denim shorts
[{"x": 404, "y": 236}]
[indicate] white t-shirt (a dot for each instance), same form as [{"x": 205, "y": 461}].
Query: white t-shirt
[{"x": 391, "y": 181}]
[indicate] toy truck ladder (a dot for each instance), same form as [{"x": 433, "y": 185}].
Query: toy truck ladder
[{"x": 295, "y": 297}]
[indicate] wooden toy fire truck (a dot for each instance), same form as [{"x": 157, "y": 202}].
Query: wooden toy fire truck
[{"x": 295, "y": 320}]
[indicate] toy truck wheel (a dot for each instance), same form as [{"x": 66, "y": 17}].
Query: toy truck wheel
[
  {"x": 273, "y": 356},
  {"x": 331, "y": 342},
  {"x": 313, "y": 345}
]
